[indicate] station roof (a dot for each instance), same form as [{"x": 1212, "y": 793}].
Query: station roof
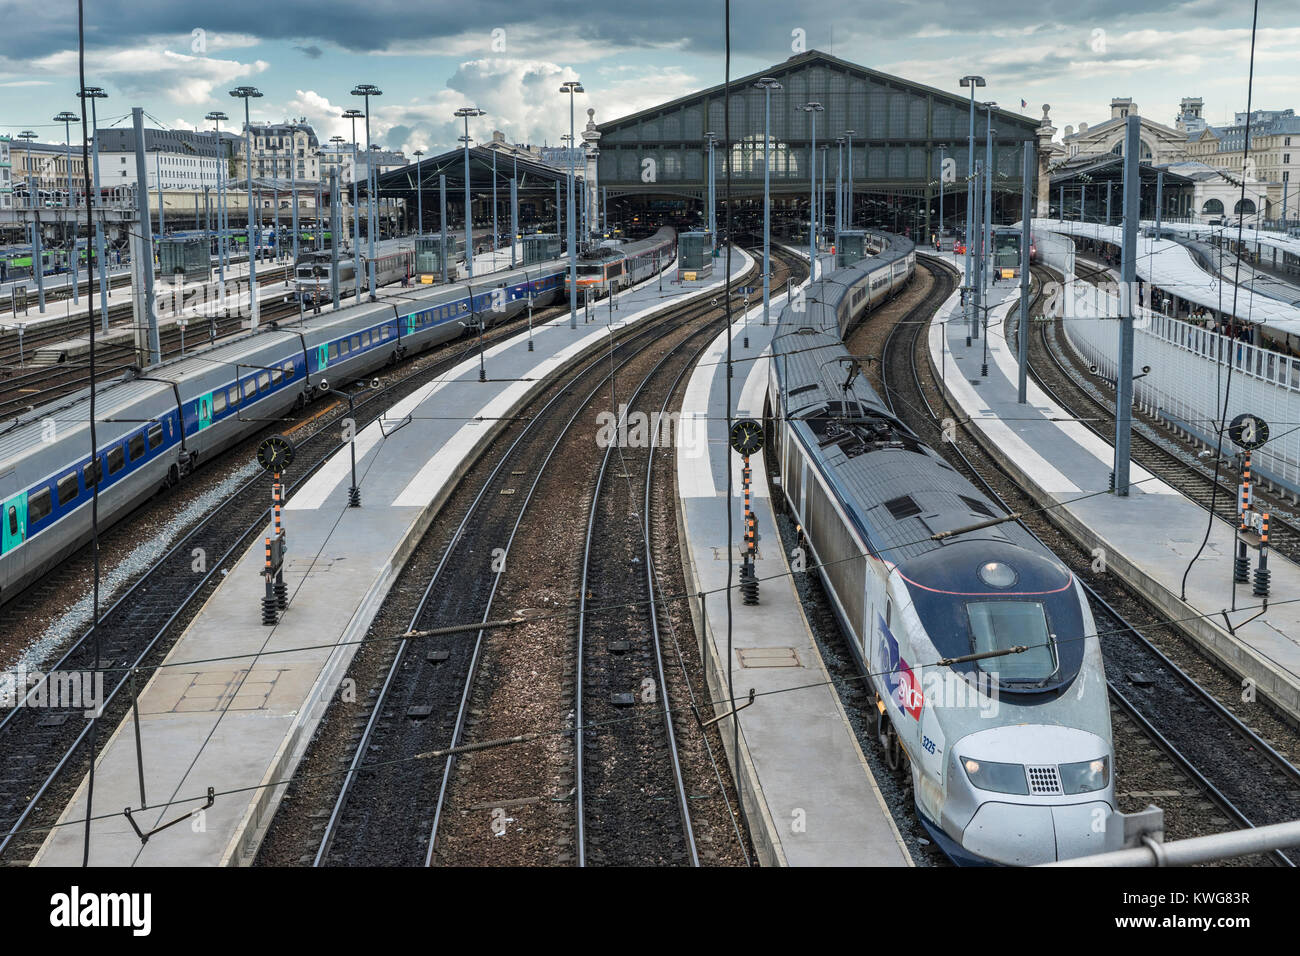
[
  {"x": 897, "y": 129},
  {"x": 535, "y": 178},
  {"x": 1110, "y": 168}
]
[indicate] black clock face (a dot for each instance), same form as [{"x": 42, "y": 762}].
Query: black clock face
[
  {"x": 275, "y": 453},
  {"x": 746, "y": 436}
]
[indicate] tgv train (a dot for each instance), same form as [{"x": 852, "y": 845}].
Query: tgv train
[
  {"x": 152, "y": 430},
  {"x": 312, "y": 274},
  {"x": 615, "y": 268},
  {"x": 979, "y": 643}
]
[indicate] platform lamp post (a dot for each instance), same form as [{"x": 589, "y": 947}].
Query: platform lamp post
[
  {"x": 710, "y": 139},
  {"x": 839, "y": 186},
  {"x": 33, "y": 191},
  {"x": 93, "y": 93},
  {"x": 67, "y": 118},
  {"x": 812, "y": 109},
  {"x": 247, "y": 93},
  {"x": 494, "y": 210},
  {"x": 848, "y": 180},
  {"x": 942, "y": 149},
  {"x": 973, "y": 82},
  {"x": 354, "y": 115},
  {"x": 464, "y": 113},
  {"x": 419, "y": 195},
  {"x": 988, "y": 204},
  {"x": 367, "y": 90},
  {"x": 767, "y": 84},
  {"x": 571, "y": 87},
  {"x": 825, "y": 148},
  {"x": 216, "y": 116},
  {"x": 293, "y": 188},
  {"x": 335, "y": 235},
  {"x": 157, "y": 175}
]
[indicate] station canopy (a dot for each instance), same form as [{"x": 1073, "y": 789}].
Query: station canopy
[{"x": 536, "y": 179}]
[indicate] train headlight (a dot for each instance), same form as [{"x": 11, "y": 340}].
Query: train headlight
[
  {"x": 998, "y": 777},
  {"x": 1085, "y": 776}
]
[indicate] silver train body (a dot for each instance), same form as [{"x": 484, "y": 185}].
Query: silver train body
[
  {"x": 153, "y": 430},
  {"x": 313, "y": 272},
  {"x": 617, "y": 268},
  {"x": 1010, "y": 756}
]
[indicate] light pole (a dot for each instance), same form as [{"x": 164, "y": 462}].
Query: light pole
[
  {"x": 157, "y": 175},
  {"x": 368, "y": 90},
  {"x": 767, "y": 84},
  {"x": 710, "y": 221},
  {"x": 839, "y": 186},
  {"x": 812, "y": 109},
  {"x": 942, "y": 148},
  {"x": 494, "y": 210},
  {"x": 848, "y": 186},
  {"x": 216, "y": 116},
  {"x": 419, "y": 195},
  {"x": 464, "y": 113},
  {"x": 354, "y": 115},
  {"x": 335, "y": 234},
  {"x": 571, "y": 87},
  {"x": 93, "y": 93},
  {"x": 825, "y": 148},
  {"x": 973, "y": 82},
  {"x": 988, "y": 207},
  {"x": 66, "y": 118},
  {"x": 247, "y": 93},
  {"x": 293, "y": 188}
]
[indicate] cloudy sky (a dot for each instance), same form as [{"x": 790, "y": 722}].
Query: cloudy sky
[{"x": 179, "y": 59}]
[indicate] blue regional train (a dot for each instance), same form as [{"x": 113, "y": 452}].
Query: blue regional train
[
  {"x": 154, "y": 428},
  {"x": 979, "y": 644}
]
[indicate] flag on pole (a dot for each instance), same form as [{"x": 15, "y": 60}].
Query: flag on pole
[{"x": 1023, "y": 104}]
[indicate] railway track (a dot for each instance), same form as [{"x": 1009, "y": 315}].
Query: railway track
[
  {"x": 1225, "y": 760},
  {"x": 389, "y": 807},
  {"x": 24, "y": 387},
  {"x": 48, "y": 748}
]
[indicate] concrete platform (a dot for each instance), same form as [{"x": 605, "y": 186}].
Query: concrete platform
[
  {"x": 1147, "y": 538},
  {"x": 809, "y": 795},
  {"x": 235, "y": 704}
]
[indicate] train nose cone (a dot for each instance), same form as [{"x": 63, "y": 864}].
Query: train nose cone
[{"x": 1030, "y": 793}]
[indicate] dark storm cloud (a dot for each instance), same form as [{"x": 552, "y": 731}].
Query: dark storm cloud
[
  {"x": 312, "y": 52},
  {"x": 32, "y": 29}
]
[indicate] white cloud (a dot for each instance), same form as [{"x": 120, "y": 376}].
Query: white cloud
[{"x": 521, "y": 97}]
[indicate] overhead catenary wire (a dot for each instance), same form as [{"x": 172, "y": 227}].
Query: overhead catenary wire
[{"x": 1227, "y": 392}]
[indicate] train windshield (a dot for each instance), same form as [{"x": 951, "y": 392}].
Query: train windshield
[
  {"x": 1006, "y": 250},
  {"x": 1001, "y": 625},
  {"x": 597, "y": 269}
]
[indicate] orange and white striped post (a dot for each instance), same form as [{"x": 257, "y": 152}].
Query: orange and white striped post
[
  {"x": 748, "y": 578},
  {"x": 277, "y": 504},
  {"x": 269, "y": 610},
  {"x": 1262, "y": 572},
  {"x": 1241, "y": 564}
]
